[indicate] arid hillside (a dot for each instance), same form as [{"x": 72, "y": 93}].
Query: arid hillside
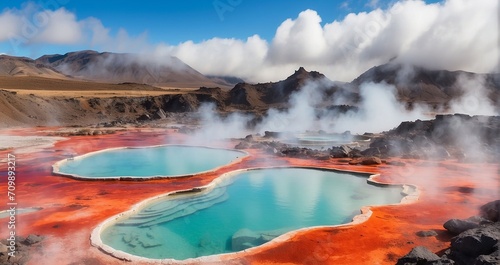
[
  {"x": 87, "y": 87},
  {"x": 118, "y": 68}
]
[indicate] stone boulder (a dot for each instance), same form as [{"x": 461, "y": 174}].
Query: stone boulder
[
  {"x": 269, "y": 134},
  {"x": 340, "y": 151},
  {"x": 243, "y": 145},
  {"x": 491, "y": 211},
  {"x": 32, "y": 239},
  {"x": 491, "y": 259},
  {"x": 418, "y": 256},
  {"x": 426, "y": 233},
  {"x": 372, "y": 160},
  {"x": 457, "y": 226},
  {"x": 477, "y": 241}
]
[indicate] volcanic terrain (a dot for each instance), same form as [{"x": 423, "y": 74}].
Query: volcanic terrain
[{"x": 58, "y": 106}]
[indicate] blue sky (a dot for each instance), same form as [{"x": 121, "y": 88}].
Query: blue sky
[
  {"x": 173, "y": 22},
  {"x": 262, "y": 40}
]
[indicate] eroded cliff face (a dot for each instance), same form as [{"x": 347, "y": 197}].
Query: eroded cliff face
[{"x": 35, "y": 110}]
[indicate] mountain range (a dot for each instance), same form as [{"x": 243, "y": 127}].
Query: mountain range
[
  {"x": 109, "y": 67},
  {"x": 90, "y": 70}
]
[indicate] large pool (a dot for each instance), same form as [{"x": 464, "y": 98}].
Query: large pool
[
  {"x": 243, "y": 211},
  {"x": 147, "y": 162}
]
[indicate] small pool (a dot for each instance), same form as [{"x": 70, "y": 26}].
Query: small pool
[
  {"x": 244, "y": 210},
  {"x": 146, "y": 162},
  {"x": 322, "y": 140}
]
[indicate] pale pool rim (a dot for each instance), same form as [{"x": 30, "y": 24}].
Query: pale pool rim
[
  {"x": 411, "y": 194},
  {"x": 56, "y": 166}
]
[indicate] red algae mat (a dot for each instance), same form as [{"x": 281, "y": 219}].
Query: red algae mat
[{"x": 73, "y": 208}]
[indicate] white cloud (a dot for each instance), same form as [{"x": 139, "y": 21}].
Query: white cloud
[
  {"x": 453, "y": 35},
  {"x": 299, "y": 41},
  {"x": 9, "y": 22},
  {"x": 57, "y": 27},
  {"x": 373, "y": 3},
  {"x": 221, "y": 56},
  {"x": 33, "y": 26}
]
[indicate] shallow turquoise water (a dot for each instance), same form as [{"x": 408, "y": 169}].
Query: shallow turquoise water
[
  {"x": 168, "y": 160},
  {"x": 246, "y": 210}
]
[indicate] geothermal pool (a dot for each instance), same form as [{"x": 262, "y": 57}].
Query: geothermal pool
[
  {"x": 321, "y": 141},
  {"x": 243, "y": 210},
  {"x": 147, "y": 162}
]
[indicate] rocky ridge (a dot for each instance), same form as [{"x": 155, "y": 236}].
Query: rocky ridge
[{"x": 462, "y": 137}]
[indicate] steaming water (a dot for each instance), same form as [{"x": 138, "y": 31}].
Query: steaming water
[
  {"x": 323, "y": 141},
  {"x": 149, "y": 161},
  {"x": 243, "y": 211}
]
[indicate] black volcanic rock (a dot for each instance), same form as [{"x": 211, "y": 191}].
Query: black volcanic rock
[
  {"x": 418, "y": 256},
  {"x": 469, "y": 138},
  {"x": 477, "y": 241},
  {"x": 264, "y": 94},
  {"x": 491, "y": 211},
  {"x": 457, "y": 226}
]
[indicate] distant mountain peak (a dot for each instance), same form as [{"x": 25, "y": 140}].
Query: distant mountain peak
[
  {"x": 127, "y": 67},
  {"x": 301, "y": 70},
  {"x": 23, "y": 66},
  {"x": 302, "y": 74}
]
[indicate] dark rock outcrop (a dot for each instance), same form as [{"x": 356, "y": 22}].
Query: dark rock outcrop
[
  {"x": 477, "y": 241},
  {"x": 457, "y": 226},
  {"x": 418, "y": 256},
  {"x": 468, "y": 138},
  {"x": 491, "y": 211},
  {"x": 23, "y": 247}
]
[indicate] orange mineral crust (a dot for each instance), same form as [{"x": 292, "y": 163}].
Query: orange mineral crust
[{"x": 73, "y": 208}]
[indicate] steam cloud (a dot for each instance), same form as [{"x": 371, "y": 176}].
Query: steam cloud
[{"x": 378, "y": 110}]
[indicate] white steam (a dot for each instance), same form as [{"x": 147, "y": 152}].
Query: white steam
[
  {"x": 475, "y": 100},
  {"x": 379, "y": 111}
]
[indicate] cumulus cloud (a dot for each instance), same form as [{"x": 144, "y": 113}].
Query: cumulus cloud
[
  {"x": 301, "y": 40},
  {"x": 33, "y": 25},
  {"x": 58, "y": 27},
  {"x": 220, "y": 56},
  {"x": 452, "y": 35}
]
